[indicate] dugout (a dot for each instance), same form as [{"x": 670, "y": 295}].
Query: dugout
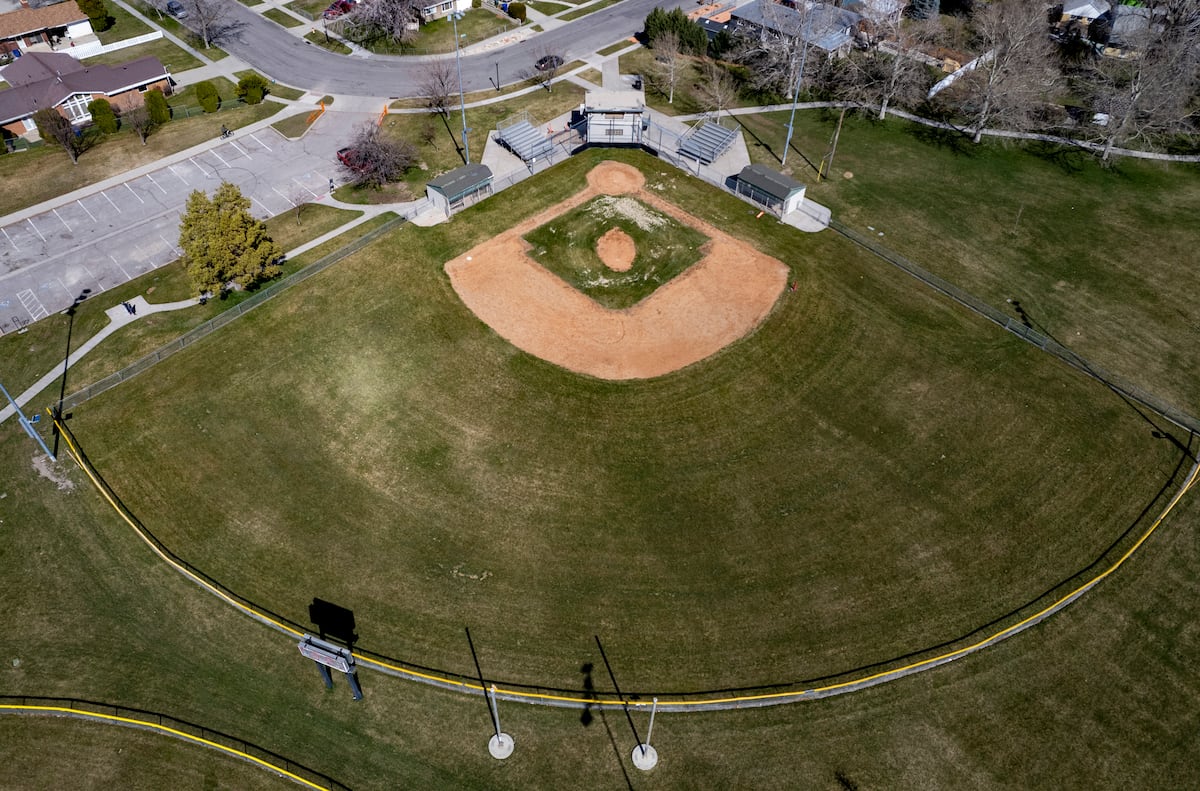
[
  {"x": 614, "y": 118},
  {"x": 770, "y": 189},
  {"x": 460, "y": 187}
]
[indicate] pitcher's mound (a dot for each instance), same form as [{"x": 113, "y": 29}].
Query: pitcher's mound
[
  {"x": 616, "y": 250},
  {"x": 718, "y": 300}
]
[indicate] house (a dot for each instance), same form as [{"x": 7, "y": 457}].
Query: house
[
  {"x": 31, "y": 29},
  {"x": 1120, "y": 30},
  {"x": 444, "y": 8},
  {"x": 54, "y": 79},
  {"x": 1081, "y": 11},
  {"x": 825, "y": 27},
  {"x": 770, "y": 189}
]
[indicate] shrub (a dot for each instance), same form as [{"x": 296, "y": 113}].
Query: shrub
[
  {"x": 97, "y": 14},
  {"x": 252, "y": 88},
  {"x": 103, "y": 116},
  {"x": 206, "y": 94},
  {"x": 517, "y": 11},
  {"x": 156, "y": 104},
  {"x": 476, "y": 3}
]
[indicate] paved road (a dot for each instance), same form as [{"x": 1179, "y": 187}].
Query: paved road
[{"x": 280, "y": 55}]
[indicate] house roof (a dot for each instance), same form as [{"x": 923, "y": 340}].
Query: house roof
[
  {"x": 624, "y": 100},
  {"x": 462, "y": 180},
  {"x": 769, "y": 181},
  {"x": 30, "y": 20},
  {"x": 49, "y": 91},
  {"x": 1085, "y": 9},
  {"x": 824, "y": 26}
]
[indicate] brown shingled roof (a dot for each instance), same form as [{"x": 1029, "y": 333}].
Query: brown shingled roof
[
  {"x": 23, "y": 100},
  {"x": 30, "y": 20}
]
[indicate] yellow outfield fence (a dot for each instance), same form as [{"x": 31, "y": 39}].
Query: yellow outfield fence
[
  {"x": 668, "y": 702},
  {"x": 169, "y": 726}
]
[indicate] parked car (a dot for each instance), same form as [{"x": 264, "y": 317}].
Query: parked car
[
  {"x": 350, "y": 158},
  {"x": 337, "y": 8},
  {"x": 548, "y": 62},
  {"x": 176, "y": 9}
]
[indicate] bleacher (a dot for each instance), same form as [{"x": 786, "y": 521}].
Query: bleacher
[
  {"x": 707, "y": 142},
  {"x": 524, "y": 139}
]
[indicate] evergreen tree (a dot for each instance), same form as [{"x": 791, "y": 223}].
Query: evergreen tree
[
  {"x": 206, "y": 94},
  {"x": 223, "y": 243},
  {"x": 251, "y": 88},
  {"x": 156, "y": 105},
  {"x": 103, "y": 116},
  {"x": 692, "y": 38},
  {"x": 97, "y": 14}
]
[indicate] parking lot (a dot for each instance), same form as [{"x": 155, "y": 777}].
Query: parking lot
[{"x": 110, "y": 236}]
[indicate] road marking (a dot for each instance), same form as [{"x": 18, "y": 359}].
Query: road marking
[
  {"x": 173, "y": 248},
  {"x": 64, "y": 286},
  {"x": 85, "y": 208},
  {"x": 264, "y": 208},
  {"x": 176, "y": 172},
  {"x": 118, "y": 263},
  {"x": 285, "y": 197},
  {"x": 10, "y": 241},
  {"x": 218, "y": 156},
  {"x": 155, "y": 183},
  {"x": 110, "y": 200},
  {"x": 306, "y": 189},
  {"x": 60, "y": 219},
  {"x": 134, "y": 194},
  {"x": 261, "y": 143},
  {"x": 33, "y": 305},
  {"x": 198, "y": 166},
  {"x": 93, "y": 276},
  {"x": 34, "y": 227},
  {"x": 245, "y": 153}
]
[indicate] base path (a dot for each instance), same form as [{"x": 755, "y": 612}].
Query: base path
[{"x": 720, "y": 299}]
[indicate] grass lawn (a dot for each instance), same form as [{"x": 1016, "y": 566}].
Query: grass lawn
[
  {"x": 282, "y": 18},
  {"x": 897, "y": 406},
  {"x": 873, "y": 469},
  {"x": 46, "y": 172},
  {"x": 173, "y": 25},
  {"x": 620, "y": 45},
  {"x": 593, "y": 76},
  {"x": 125, "y": 25},
  {"x": 567, "y": 247},
  {"x": 1099, "y": 257},
  {"x": 310, "y": 8},
  {"x": 437, "y": 36},
  {"x": 547, "y": 7},
  {"x": 580, "y": 12},
  {"x": 276, "y": 89},
  {"x": 172, "y": 56},
  {"x": 442, "y": 153},
  {"x": 293, "y": 126},
  {"x": 330, "y": 43},
  {"x": 688, "y": 98}
]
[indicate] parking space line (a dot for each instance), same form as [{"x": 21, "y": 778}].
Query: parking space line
[
  {"x": 264, "y": 206},
  {"x": 285, "y": 197},
  {"x": 176, "y": 172},
  {"x": 170, "y": 246},
  {"x": 29, "y": 301},
  {"x": 218, "y": 156},
  {"x": 155, "y": 183},
  {"x": 10, "y": 241},
  {"x": 261, "y": 143},
  {"x": 60, "y": 219},
  {"x": 93, "y": 276},
  {"x": 64, "y": 286},
  {"x": 118, "y": 263},
  {"x": 134, "y": 194},
  {"x": 245, "y": 153},
  {"x": 34, "y": 227},
  {"x": 303, "y": 187},
  {"x": 110, "y": 200},
  {"x": 85, "y": 208}
]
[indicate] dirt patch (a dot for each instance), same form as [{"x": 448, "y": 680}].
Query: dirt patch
[
  {"x": 616, "y": 250},
  {"x": 720, "y": 299},
  {"x": 50, "y": 472}
]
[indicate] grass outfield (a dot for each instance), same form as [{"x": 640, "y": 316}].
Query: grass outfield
[
  {"x": 1101, "y": 257},
  {"x": 872, "y": 473}
]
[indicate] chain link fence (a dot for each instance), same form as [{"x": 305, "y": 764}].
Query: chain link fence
[{"x": 152, "y": 720}]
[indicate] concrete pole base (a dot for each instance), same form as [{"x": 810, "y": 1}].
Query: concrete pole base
[
  {"x": 645, "y": 757},
  {"x": 501, "y": 746}
]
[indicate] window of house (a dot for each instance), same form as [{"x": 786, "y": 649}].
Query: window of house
[{"x": 76, "y": 107}]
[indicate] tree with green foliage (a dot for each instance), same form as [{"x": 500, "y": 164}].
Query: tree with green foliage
[
  {"x": 692, "y": 38},
  {"x": 206, "y": 94},
  {"x": 517, "y": 11},
  {"x": 54, "y": 127},
  {"x": 97, "y": 13},
  {"x": 224, "y": 246},
  {"x": 156, "y": 105},
  {"x": 252, "y": 88},
  {"x": 103, "y": 116}
]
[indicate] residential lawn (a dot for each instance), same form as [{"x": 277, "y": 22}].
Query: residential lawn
[
  {"x": 171, "y": 55},
  {"x": 184, "y": 100},
  {"x": 624, "y": 43},
  {"x": 46, "y": 172},
  {"x": 567, "y": 247},
  {"x": 276, "y": 89},
  {"x": 580, "y": 12},
  {"x": 1099, "y": 257},
  {"x": 331, "y": 43},
  {"x": 311, "y": 8},
  {"x": 125, "y": 25},
  {"x": 593, "y": 76},
  {"x": 443, "y": 153},
  {"x": 820, "y": 435},
  {"x": 724, "y": 504},
  {"x": 438, "y": 36},
  {"x": 282, "y": 18},
  {"x": 173, "y": 25},
  {"x": 250, "y": 2},
  {"x": 548, "y": 7}
]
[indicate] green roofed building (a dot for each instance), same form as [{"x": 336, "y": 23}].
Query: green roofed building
[
  {"x": 770, "y": 189},
  {"x": 460, "y": 187}
]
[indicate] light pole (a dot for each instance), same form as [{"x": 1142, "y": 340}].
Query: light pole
[
  {"x": 62, "y": 392},
  {"x": 462, "y": 103},
  {"x": 787, "y": 143}
]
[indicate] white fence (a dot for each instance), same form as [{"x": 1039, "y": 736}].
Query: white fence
[{"x": 94, "y": 48}]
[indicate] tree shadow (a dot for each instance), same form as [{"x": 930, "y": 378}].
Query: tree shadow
[{"x": 1068, "y": 159}]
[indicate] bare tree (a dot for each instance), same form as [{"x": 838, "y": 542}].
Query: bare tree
[
  {"x": 545, "y": 68},
  {"x": 53, "y": 126},
  {"x": 1007, "y": 83},
  {"x": 438, "y": 84},
  {"x": 892, "y": 67},
  {"x": 138, "y": 119},
  {"x": 1150, "y": 92},
  {"x": 209, "y": 18},
  {"x": 717, "y": 89},
  {"x": 668, "y": 61},
  {"x": 776, "y": 54},
  {"x": 374, "y": 160},
  {"x": 396, "y": 20}
]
